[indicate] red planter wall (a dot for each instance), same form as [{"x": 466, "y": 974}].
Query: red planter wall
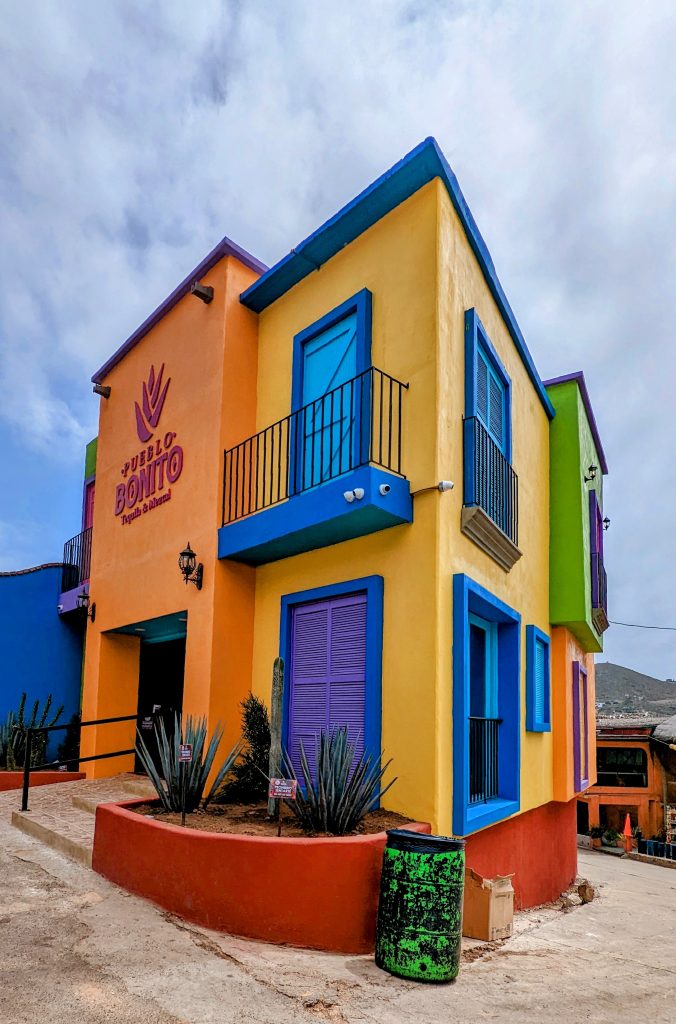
[
  {"x": 14, "y": 780},
  {"x": 539, "y": 847},
  {"x": 316, "y": 893}
]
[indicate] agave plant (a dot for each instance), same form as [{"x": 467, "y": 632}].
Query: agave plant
[
  {"x": 187, "y": 780},
  {"x": 344, "y": 788}
]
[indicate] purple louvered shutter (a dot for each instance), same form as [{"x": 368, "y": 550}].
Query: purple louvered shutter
[{"x": 328, "y": 673}]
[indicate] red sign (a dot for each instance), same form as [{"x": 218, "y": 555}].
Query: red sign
[
  {"x": 185, "y": 753},
  {"x": 282, "y": 789},
  {"x": 148, "y": 474}
]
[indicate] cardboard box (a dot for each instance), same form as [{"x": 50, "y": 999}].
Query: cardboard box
[{"x": 488, "y": 910}]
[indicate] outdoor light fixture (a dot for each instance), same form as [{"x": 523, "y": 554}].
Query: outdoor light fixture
[
  {"x": 187, "y": 563},
  {"x": 85, "y": 605},
  {"x": 592, "y": 474},
  {"x": 606, "y": 523},
  {"x": 202, "y": 291},
  {"x": 102, "y": 389}
]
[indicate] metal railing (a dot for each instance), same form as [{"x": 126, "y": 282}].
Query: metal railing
[
  {"x": 77, "y": 557},
  {"x": 62, "y": 763},
  {"x": 356, "y": 424},
  {"x": 483, "y": 759},
  {"x": 490, "y": 481},
  {"x": 599, "y": 584}
]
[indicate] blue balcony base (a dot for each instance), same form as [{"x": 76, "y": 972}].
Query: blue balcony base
[{"x": 318, "y": 518}]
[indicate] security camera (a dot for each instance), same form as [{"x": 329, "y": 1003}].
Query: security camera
[
  {"x": 349, "y": 496},
  {"x": 59, "y": 608},
  {"x": 358, "y": 493},
  {"x": 445, "y": 485},
  {"x": 202, "y": 291},
  {"x": 102, "y": 389},
  {"x": 384, "y": 489}
]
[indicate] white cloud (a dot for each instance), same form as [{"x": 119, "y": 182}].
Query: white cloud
[{"x": 133, "y": 137}]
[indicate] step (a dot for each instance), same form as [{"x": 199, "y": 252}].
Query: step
[
  {"x": 139, "y": 787},
  {"x": 70, "y": 832}
]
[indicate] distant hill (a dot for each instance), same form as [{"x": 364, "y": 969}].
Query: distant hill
[{"x": 622, "y": 689}]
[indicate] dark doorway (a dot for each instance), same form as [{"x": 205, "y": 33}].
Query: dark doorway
[
  {"x": 160, "y": 690},
  {"x": 582, "y": 818}
]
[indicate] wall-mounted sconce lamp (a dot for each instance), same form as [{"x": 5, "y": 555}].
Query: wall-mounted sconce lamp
[
  {"x": 592, "y": 474},
  {"x": 606, "y": 523},
  {"x": 102, "y": 389},
  {"x": 202, "y": 291},
  {"x": 85, "y": 605},
  {"x": 187, "y": 563}
]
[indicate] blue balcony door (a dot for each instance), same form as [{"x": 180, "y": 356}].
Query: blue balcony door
[{"x": 326, "y": 427}]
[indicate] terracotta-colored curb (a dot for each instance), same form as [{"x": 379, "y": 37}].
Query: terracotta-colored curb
[
  {"x": 14, "y": 780},
  {"x": 315, "y": 893}
]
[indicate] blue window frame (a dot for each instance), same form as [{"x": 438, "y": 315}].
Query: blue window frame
[
  {"x": 326, "y": 438},
  {"x": 373, "y": 587},
  {"x": 488, "y": 388},
  {"x": 538, "y": 683},
  {"x": 494, "y": 657}
]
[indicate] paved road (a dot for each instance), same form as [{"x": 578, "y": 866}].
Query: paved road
[{"x": 77, "y": 950}]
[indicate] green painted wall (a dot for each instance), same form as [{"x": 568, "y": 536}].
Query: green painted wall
[
  {"x": 572, "y": 452},
  {"x": 90, "y": 458}
]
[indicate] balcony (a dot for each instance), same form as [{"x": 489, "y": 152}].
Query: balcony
[
  {"x": 483, "y": 759},
  {"x": 328, "y": 472},
  {"x": 77, "y": 553},
  {"x": 490, "y": 514},
  {"x": 599, "y": 594}
]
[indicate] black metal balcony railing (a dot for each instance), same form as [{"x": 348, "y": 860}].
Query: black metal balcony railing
[
  {"x": 599, "y": 584},
  {"x": 356, "y": 424},
  {"x": 490, "y": 481},
  {"x": 483, "y": 759},
  {"x": 77, "y": 555}
]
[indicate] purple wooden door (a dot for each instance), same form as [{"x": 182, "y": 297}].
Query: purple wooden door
[{"x": 327, "y": 673}]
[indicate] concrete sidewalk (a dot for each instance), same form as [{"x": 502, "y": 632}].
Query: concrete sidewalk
[{"x": 74, "y": 948}]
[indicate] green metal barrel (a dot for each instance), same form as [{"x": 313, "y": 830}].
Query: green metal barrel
[{"x": 420, "y": 911}]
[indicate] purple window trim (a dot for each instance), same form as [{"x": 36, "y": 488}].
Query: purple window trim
[{"x": 580, "y": 743}]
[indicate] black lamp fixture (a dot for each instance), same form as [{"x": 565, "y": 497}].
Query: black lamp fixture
[
  {"x": 606, "y": 523},
  {"x": 592, "y": 474},
  {"x": 102, "y": 389},
  {"x": 85, "y": 605},
  {"x": 202, "y": 291},
  {"x": 187, "y": 563}
]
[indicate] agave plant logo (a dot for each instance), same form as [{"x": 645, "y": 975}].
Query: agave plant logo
[{"x": 152, "y": 401}]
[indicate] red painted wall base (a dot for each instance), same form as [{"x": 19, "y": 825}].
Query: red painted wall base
[
  {"x": 315, "y": 893},
  {"x": 14, "y": 780},
  {"x": 539, "y": 847}
]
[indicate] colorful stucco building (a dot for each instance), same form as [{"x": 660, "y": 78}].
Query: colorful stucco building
[{"x": 377, "y": 485}]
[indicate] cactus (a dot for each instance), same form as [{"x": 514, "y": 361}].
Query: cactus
[
  {"x": 6, "y": 734},
  {"x": 17, "y": 748},
  {"x": 276, "y": 706}
]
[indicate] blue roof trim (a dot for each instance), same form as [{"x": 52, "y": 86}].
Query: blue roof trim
[
  {"x": 226, "y": 247},
  {"x": 420, "y": 166}
]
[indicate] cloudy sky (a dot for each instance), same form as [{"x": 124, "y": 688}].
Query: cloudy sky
[{"x": 133, "y": 135}]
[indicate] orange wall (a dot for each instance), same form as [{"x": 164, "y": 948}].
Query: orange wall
[
  {"x": 565, "y": 649},
  {"x": 648, "y": 800},
  {"x": 209, "y": 351}
]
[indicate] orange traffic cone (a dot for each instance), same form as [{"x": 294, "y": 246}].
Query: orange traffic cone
[{"x": 628, "y": 842}]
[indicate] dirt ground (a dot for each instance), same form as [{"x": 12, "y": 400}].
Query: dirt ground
[
  {"x": 74, "y": 948},
  {"x": 252, "y": 820}
]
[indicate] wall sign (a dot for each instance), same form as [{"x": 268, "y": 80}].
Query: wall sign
[{"x": 149, "y": 473}]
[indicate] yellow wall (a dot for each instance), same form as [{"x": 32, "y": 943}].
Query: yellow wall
[
  {"x": 423, "y": 276},
  {"x": 395, "y": 259},
  {"x": 210, "y": 353},
  {"x": 526, "y": 587}
]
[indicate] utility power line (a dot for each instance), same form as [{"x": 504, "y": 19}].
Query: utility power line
[{"x": 638, "y": 625}]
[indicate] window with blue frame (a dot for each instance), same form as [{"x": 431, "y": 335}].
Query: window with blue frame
[
  {"x": 486, "y": 707},
  {"x": 331, "y": 394},
  {"x": 538, "y": 684},
  {"x": 489, "y": 480}
]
